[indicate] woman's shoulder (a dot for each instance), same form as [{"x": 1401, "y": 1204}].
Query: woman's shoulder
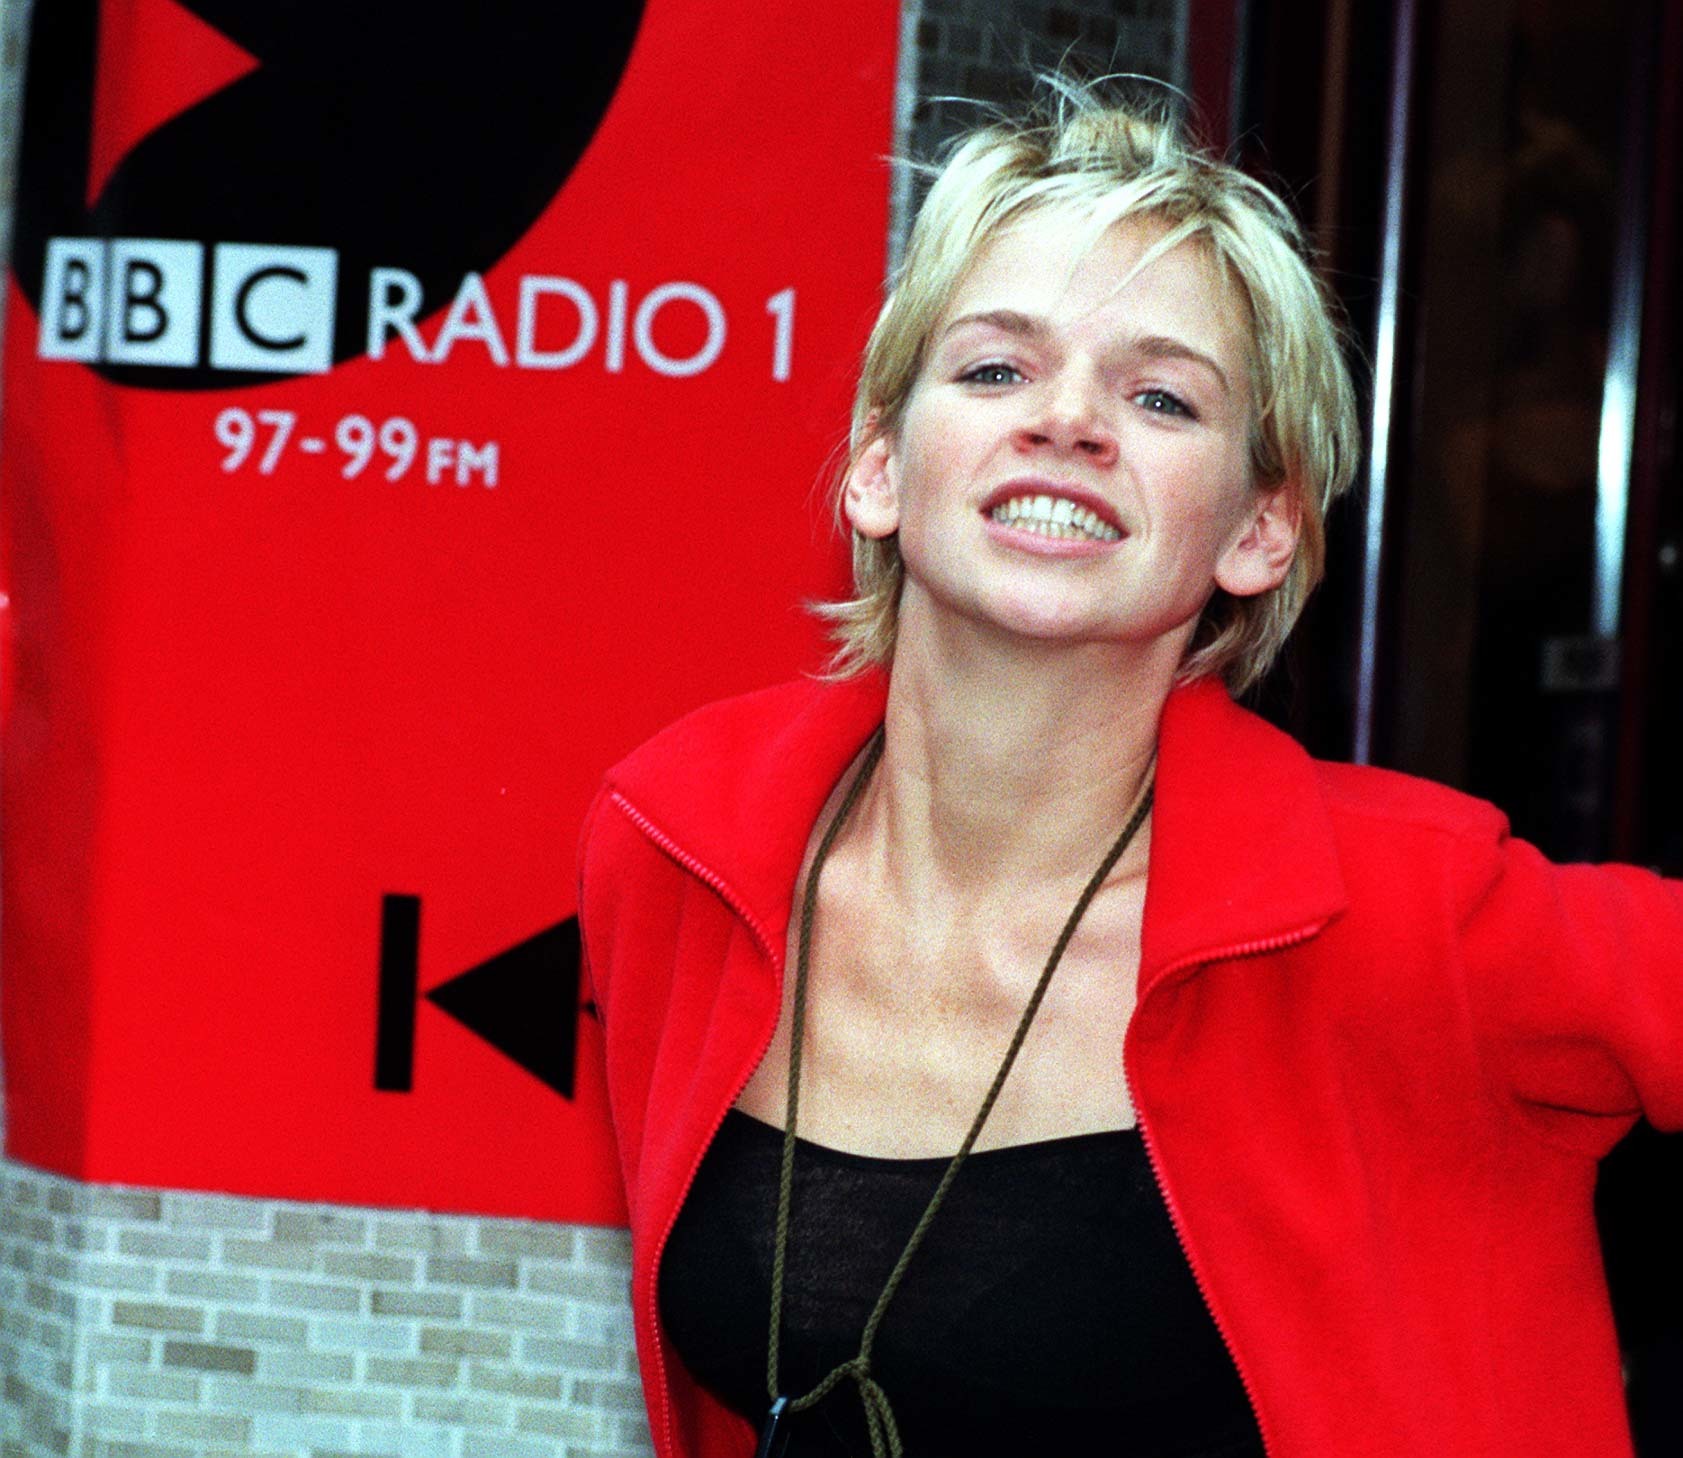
[{"x": 1358, "y": 793}]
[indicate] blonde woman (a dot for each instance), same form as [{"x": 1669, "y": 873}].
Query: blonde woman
[{"x": 1015, "y": 1046}]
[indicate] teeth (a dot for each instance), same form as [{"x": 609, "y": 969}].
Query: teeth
[{"x": 1057, "y": 517}]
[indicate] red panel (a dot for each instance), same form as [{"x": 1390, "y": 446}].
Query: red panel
[{"x": 249, "y": 706}]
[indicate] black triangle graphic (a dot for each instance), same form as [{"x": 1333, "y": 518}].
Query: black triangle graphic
[{"x": 525, "y": 1003}]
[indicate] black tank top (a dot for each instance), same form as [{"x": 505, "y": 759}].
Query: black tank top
[{"x": 1050, "y": 1309}]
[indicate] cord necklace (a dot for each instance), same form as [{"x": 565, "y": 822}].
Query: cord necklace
[{"x": 879, "y": 1416}]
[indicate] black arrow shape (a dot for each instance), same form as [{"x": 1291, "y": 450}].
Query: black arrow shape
[{"x": 525, "y": 1003}]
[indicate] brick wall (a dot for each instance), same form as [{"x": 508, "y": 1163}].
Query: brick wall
[
  {"x": 161, "y": 1324},
  {"x": 156, "y": 1324}
]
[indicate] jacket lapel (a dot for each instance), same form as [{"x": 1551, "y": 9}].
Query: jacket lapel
[
  {"x": 1242, "y": 849},
  {"x": 739, "y": 785}
]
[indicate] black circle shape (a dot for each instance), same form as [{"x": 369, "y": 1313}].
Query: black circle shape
[{"x": 415, "y": 134}]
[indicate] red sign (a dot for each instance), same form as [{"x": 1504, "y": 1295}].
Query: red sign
[{"x": 405, "y": 413}]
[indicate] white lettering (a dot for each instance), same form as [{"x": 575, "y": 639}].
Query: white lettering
[
  {"x": 482, "y": 459},
  {"x": 470, "y": 317},
  {"x": 441, "y": 455},
  {"x": 526, "y": 352},
  {"x": 388, "y": 314},
  {"x": 642, "y": 329},
  {"x": 73, "y": 300},
  {"x": 614, "y": 351}
]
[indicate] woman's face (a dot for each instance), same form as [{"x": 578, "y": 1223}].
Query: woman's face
[{"x": 1073, "y": 461}]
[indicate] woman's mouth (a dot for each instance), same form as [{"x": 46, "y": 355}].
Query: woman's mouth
[{"x": 1053, "y": 516}]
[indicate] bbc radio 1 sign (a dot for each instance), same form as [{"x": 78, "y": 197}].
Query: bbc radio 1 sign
[
  {"x": 140, "y": 301},
  {"x": 407, "y": 409}
]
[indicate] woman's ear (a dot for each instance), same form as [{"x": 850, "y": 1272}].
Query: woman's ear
[
  {"x": 870, "y": 494},
  {"x": 1259, "y": 559}
]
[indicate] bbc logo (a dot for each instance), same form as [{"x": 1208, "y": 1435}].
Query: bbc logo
[{"x": 141, "y": 301}]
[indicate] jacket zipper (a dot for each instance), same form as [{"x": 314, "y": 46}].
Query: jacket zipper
[
  {"x": 717, "y": 883},
  {"x": 1220, "y": 954}
]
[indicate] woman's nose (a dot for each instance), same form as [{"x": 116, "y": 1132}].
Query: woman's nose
[{"x": 1070, "y": 418}]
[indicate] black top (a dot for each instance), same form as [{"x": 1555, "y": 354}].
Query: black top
[{"x": 1049, "y": 1310}]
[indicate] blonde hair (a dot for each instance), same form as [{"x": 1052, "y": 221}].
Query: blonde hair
[{"x": 1101, "y": 163}]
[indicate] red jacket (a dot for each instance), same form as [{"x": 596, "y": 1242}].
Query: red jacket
[{"x": 1377, "y": 1051}]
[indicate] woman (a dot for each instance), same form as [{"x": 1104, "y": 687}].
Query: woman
[{"x": 1327, "y": 1026}]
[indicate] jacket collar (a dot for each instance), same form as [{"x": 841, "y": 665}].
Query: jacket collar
[{"x": 1242, "y": 852}]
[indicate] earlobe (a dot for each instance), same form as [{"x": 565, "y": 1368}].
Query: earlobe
[
  {"x": 1260, "y": 559},
  {"x": 870, "y": 496}
]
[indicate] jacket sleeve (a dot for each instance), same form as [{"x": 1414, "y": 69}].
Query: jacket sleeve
[{"x": 1575, "y": 979}]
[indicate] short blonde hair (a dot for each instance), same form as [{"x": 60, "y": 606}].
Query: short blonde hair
[{"x": 1101, "y": 163}]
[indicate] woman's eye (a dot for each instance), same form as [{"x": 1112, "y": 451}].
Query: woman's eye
[
  {"x": 991, "y": 374},
  {"x": 1161, "y": 402}
]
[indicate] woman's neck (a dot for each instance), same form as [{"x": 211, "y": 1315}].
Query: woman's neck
[{"x": 1010, "y": 763}]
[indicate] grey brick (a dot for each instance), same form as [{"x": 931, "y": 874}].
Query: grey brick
[
  {"x": 530, "y": 1312},
  {"x": 301, "y": 1432},
  {"x": 349, "y": 1402},
  {"x": 315, "y": 1296},
  {"x": 605, "y": 1247},
  {"x": 461, "y": 1341},
  {"x": 254, "y": 1326},
  {"x": 88, "y": 1239},
  {"x": 216, "y": 1426},
  {"x": 209, "y": 1358},
  {"x": 365, "y": 1266},
  {"x": 578, "y": 1424},
  {"x": 467, "y": 1412},
  {"x": 162, "y": 1386},
  {"x": 493, "y": 1377},
  {"x": 320, "y": 1227},
  {"x": 163, "y": 1246},
  {"x": 157, "y": 1316},
  {"x": 411, "y": 1371},
  {"x": 269, "y": 1255},
  {"x": 305, "y": 1366},
  {"x": 238, "y": 1395},
  {"x": 140, "y": 1450},
  {"x": 501, "y": 1445},
  {"x": 213, "y": 1286},
  {"x": 610, "y": 1325},
  {"x": 23, "y": 1225},
  {"x": 580, "y": 1284},
  {"x": 409, "y": 1441},
  {"x": 110, "y": 1421},
  {"x": 518, "y": 1238},
  {"x": 569, "y": 1356},
  {"x": 466, "y": 1271},
  {"x": 54, "y": 1265},
  {"x": 607, "y": 1393},
  {"x": 631, "y": 1433},
  {"x": 122, "y": 1204},
  {"x": 386, "y": 1301},
  {"x": 435, "y": 1236},
  {"x": 104, "y": 1347},
  {"x": 218, "y": 1212},
  {"x": 364, "y": 1336},
  {"x": 128, "y": 1276},
  {"x": 47, "y": 1299}
]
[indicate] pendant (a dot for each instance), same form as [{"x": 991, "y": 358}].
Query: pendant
[{"x": 774, "y": 1431}]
